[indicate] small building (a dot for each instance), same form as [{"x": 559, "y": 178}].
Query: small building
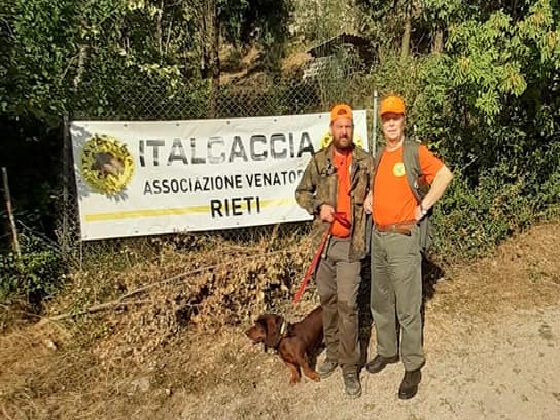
[{"x": 340, "y": 55}]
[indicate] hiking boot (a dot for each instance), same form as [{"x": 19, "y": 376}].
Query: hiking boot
[
  {"x": 379, "y": 363},
  {"x": 409, "y": 384},
  {"x": 352, "y": 386},
  {"x": 327, "y": 368}
]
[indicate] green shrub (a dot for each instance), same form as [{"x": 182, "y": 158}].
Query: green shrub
[
  {"x": 37, "y": 274},
  {"x": 507, "y": 169}
]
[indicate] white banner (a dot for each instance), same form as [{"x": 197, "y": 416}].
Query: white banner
[{"x": 145, "y": 178}]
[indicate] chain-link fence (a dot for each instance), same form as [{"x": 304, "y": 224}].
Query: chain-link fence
[{"x": 146, "y": 98}]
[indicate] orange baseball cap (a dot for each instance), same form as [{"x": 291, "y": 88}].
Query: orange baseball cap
[
  {"x": 341, "y": 111},
  {"x": 392, "y": 104}
]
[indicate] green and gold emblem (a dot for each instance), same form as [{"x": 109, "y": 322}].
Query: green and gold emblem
[{"x": 106, "y": 164}]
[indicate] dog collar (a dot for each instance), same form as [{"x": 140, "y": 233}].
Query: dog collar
[
  {"x": 283, "y": 328},
  {"x": 281, "y": 335}
]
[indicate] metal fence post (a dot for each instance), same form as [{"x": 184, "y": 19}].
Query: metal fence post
[
  {"x": 65, "y": 187},
  {"x": 374, "y": 148}
]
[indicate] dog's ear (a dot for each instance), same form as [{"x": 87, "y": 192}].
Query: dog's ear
[{"x": 273, "y": 330}]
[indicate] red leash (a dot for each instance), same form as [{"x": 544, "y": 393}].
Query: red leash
[{"x": 341, "y": 217}]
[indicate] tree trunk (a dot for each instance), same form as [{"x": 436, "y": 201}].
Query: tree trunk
[
  {"x": 405, "y": 41},
  {"x": 159, "y": 28},
  {"x": 82, "y": 52},
  {"x": 202, "y": 14},
  {"x": 437, "y": 45}
]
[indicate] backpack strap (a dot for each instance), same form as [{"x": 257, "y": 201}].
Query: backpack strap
[
  {"x": 413, "y": 171},
  {"x": 419, "y": 188}
]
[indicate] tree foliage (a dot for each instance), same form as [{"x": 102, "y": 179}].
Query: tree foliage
[{"x": 481, "y": 80}]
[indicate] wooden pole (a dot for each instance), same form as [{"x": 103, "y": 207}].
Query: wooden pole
[{"x": 7, "y": 199}]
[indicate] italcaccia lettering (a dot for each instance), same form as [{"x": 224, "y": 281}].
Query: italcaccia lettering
[{"x": 217, "y": 150}]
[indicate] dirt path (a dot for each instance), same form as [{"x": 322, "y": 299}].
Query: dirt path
[
  {"x": 507, "y": 369},
  {"x": 492, "y": 338}
]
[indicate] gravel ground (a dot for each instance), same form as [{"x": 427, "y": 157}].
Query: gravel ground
[{"x": 507, "y": 368}]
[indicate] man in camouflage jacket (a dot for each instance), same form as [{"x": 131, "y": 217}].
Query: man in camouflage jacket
[{"x": 333, "y": 188}]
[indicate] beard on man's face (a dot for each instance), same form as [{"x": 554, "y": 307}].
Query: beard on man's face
[{"x": 343, "y": 141}]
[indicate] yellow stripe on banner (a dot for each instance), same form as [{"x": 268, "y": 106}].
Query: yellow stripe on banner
[
  {"x": 138, "y": 214},
  {"x": 278, "y": 202}
]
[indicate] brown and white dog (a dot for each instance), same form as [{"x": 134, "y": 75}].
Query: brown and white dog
[{"x": 297, "y": 344}]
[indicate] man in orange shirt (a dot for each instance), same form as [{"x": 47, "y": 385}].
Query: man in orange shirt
[
  {"x": 333, "y": 188},
  {"x": 396, "y": 253}
]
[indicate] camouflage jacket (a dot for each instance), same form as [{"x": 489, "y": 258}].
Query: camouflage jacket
[{"x": 319, "y": 185}]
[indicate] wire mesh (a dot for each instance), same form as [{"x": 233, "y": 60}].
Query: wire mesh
[{"x": 144, "y": 96}]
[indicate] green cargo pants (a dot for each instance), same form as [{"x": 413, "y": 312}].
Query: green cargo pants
[
  {"x": 396, "y": 290},
  {"x": 338, "y": 280}
]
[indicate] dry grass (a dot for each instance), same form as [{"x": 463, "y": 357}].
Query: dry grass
[
  {"x": 141, "y": 361},
  {"x": 523, "y": 273}
]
